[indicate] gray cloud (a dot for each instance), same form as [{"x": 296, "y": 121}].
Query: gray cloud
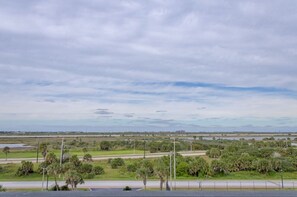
[{"x": 73, "y": 55}]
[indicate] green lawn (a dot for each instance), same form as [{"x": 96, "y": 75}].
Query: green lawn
[{"x": 32, "y": 154}]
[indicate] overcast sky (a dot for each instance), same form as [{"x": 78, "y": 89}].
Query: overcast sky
[{"x": 92, "y": 65}]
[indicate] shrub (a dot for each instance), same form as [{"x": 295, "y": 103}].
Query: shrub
[
  {"x": 54, "y": 188},
  {"x": 127, "y": 188},
  {"x": 182, "y": 169},
  {"x": 25, "y": 169},
  {"x": 89, "y": 175},
  {"x": 132, "y": 167},
  {"x": 263, "y": 166},
  {"x": 64, "y": 188},
  {"x": 117, "y": 162},
  {"x": 41, "y": 166},
  {"x": 87, "y": 157},
  {"x": 213, "y": 153},
  {"x": 86, "y": 168},
  {"x": 2, "y": 189},
  {"x": 105, "y": 145},
  {"x": 98, "y": 170}
]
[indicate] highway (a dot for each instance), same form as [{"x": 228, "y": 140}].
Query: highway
[
  {"x": 190, "y": 184},
  {"x": 106, "y": 157}
]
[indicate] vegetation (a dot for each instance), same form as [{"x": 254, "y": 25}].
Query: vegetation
[
  {"x": 225, "y": 159},
  {"x": 6, "y": 150}
]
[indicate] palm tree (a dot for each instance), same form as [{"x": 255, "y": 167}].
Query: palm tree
[
  {"x": 145, "y": 170},
  {"x": 162, "y": 170},
  {"x": 6, "y": 150},
  {"x": 73, "y": 178},
  {"x": 43, "y": 148},
  {"x": 141, "y": 173},
  {"x": 54, "y": 170}
]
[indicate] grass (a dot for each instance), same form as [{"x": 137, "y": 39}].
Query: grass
[
  {"x": 32, "y": 154},
  {"x": 117, "y": 174}
]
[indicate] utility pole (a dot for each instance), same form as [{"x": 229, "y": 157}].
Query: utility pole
[
  {"x": 43, "y": 172},
  {"x": 62, "y": 147},
  {"x": 174, "y": 164},
  {"x": 37, "y": 152},
  {"x": 143, "y": 148},
  {"x": 170, "y": 169},
  {"x": 282, "y": 179},
  {"x": 134, "y": 146}
]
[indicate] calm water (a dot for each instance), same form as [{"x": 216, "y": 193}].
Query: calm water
[{"x": 14, "y": 145}]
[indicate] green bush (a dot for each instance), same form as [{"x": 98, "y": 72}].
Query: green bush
[
  {"x": 55, "y": 188},
  {"x": 64, "y": 188},
  {"x": 98, "y": 170},
  {"x": 182, "y": 169},
  {"x": 89, "y": 175},
  {"x": 86, "y": 168},
  {"x": 25, "y": 169},
  {"x": 2, "y": 189},
  {"x": 117, "y": 162},
  {"x": 132, "y": 167},
  {"x": 87, "y": 157}
]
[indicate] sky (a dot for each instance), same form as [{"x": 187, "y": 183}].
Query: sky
[{"x": 152, "y": 65}]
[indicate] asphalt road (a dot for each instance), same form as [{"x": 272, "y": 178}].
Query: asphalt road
[
  {"x": 191, "y": 184},
  {"x": 106, "y": 157}
]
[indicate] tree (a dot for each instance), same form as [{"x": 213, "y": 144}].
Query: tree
[
  {"x": 105, "y": 145},
  {"x": 145, "y": 170},
  {"x": 54, "y": 170},
  {"x": 43, "y": 148},
  {"x": 182, "y": 168},
  {"x": 86, "y": 168},
  {"x": 75, "y": 161},
  {"x": 213, "y": 153},
  {"x": 73, "y": 178},
  {"x": 50, "y": 158},
  {"x": 25, "y": 169},
  {"x": 87, "y": 157},
  {"x": 161, "y": 170},
  {"x": 244, "y": 162},
  {"x": 6, "y": 150},
  {"x": 218, "y": 167},
  {"x": 263, "y": 166},
  {"x": 198, "y": 166},
  {"x": 85, "y": 150}
]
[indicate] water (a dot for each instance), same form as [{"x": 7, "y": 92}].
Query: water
[{"x": 14, "y": 145}]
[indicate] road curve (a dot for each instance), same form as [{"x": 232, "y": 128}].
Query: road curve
[{"x": 106, "y": 157}]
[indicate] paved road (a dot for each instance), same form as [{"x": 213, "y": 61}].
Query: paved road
[
  {"x": 192, "y": 184},
  {"x": 106, "y": 157},
  {"x": 154, "y": 194}
]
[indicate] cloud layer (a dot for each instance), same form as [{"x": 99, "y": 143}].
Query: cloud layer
[{"x": 148, "y": 65}]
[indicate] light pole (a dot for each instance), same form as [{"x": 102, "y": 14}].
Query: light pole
[
  {"x": 37, "y": 152},
  {"x": 62, "y": 147},
  {"x": 282, "y": 178},
  {"x": 170, "y": 169},
  {"x": 174, "y": 164},
  {"x": 43, "y": 172}
]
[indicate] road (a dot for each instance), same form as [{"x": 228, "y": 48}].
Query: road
[
  {"x": 191, "y": 184},
  {"x": 106, "y": 157}
]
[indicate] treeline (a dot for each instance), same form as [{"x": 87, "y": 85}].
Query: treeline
[{"x": 260, "y": 156}]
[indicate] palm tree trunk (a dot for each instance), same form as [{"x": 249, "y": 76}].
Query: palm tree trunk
[{"x": 57, "y": 188}]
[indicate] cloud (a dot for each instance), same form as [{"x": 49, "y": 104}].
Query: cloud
[
  {"x": 103, "y": 112},
  {"x": 195, "y": 63}
]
